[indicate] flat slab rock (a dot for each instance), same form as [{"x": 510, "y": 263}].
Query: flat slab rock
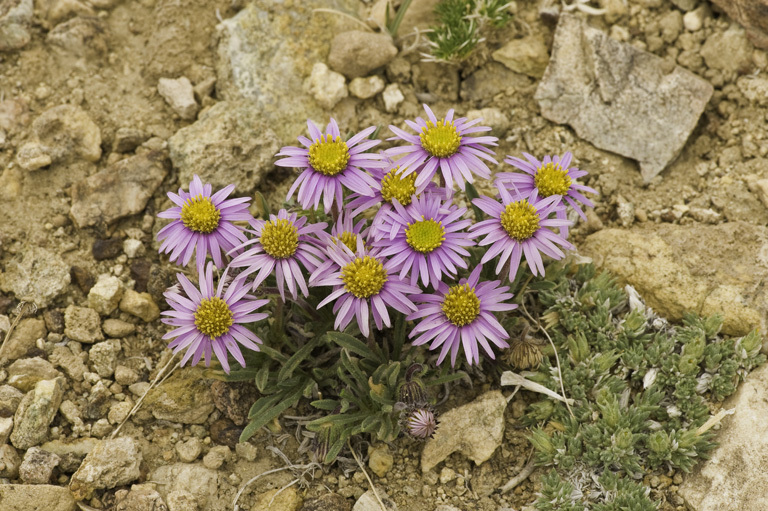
[
  {"x": 733, "y": 479},
  {"x": 35, "y": 497},
  {"x": 706, "y": 269},
  {"x": 619, "y": 98}
]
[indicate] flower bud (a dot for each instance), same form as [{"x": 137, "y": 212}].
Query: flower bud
[{"x": 419, "y": 422}]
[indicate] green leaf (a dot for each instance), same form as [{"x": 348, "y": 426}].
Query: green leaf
[
  {"x": 273, "y": 354},
  {"x": 353, "y": 344},
  {"x": 446, "y": 378},
  {"x": 325, "y": 404},
  {"x": 263, "y": 204},
  {"x": 335, "y": 449},
  {"x": 262, "y": 377},
  {"x": 289, "y": 400},
  {"x": 290, "y": 366},
  {"x": 351, "y": 366}
]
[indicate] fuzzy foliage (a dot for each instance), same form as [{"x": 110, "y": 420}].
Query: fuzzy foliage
[{"x": 462, "y": 23}]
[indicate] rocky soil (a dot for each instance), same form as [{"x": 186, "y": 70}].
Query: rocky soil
[{"x": 105, "y": 105}]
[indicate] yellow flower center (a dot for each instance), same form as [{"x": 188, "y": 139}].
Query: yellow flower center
[
  {"x": 441, "y": 140},
  {"x": 552, "y": 179},
  {"x": 200, "y": 215},
  {"x": 349, "y": 239},
  {"x": 213, "y": 317},
  {"x": 280, "y": 238},
  {"x": 461, "y": 305},
  {"x": 329, "y": 156},
  {"x": 395, "y": 186},
  {"x": 425, "y": 236},
  {"x": 364, "y": 277},
  {"x": 520, "y": 220}
]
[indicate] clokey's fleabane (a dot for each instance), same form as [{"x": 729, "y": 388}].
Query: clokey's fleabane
[
  {"x": 328, "y": 163},
  {"x": 202, "y": 223},
  {"x": 444, "y": 145},
  {"x": 210, "y": 319}
]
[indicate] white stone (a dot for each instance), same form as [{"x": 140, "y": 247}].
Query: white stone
[
  {"x": 392, "y": 97},
  {"x": 104, "y": 296},
  {"x": 133, "y": 248},
  {"x": 180, "y": 95},
  {"x": 365, "y": 88},
  {"x": 693, "y": 21},
  {"x": 492, "y": 117},
  {"x": 326, "y": 86},
  {"x": 369, "y": 502}
]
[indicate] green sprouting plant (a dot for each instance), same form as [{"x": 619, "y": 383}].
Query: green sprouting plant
[
  {"x": 462, "y": 23},
  {"x": 642, "y": 389}
]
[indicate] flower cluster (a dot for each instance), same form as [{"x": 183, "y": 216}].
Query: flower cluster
[{"x": 397, "y": 241}]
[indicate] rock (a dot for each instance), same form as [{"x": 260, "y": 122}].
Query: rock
[
  {"x": 32, "y": 497},
  {"x": 24, "y": 338},
  {"x": 103, "y": 357},
  {"x": 287, "y": 42},
  {"x": 15, "y": 21},
  {"x": 490, "y": 80},
  {"x": 9, "y": 463},
  {"x": 6, "y": 426},
  {"x": 118, "y": 328},
  {"x": 111, "y": 463},
  {"x": 275, "y": 500},
  {"x": 180, "y": 95},
  {"x": 191, "y": 478},
  {"x": 699, "y": 268},
  {"x": 217, "y": 456},
  {"x": 104, "y": 249},
  {"x": 189, "y": 450},
  {"x": 754, "y": 88},
  {"x": 144, "y": 273},
  {"x": 380, "y": 460},
  {"x": 366, "y": 88},
  {"x": 64, "y": 132},
  {"x": 133, "y": 248},
  {"x": 181, "y": 500},
  {"x": 357, "y": 53},
  {"x": 686, "y": 5},
  {"x": 234, "y": 399},
  {"x": 326, "y": 86},
  {"x": 39, "y": 277},
  {"x": 751, "y": 15},
  {"x": 225, "y": 432},
  {"x": 694, "y": 20},
  {"x": 52, "y": 12},
  {"x": 184, "y": 397},
  {"x": 419, "y": 15},
  {"x": 81, "y": 37},
  {"x": 82, "y": 278},
  {"x": 369, "y": 502},
  {"x": 593, "y": 81},
  {"x": 37, "y": 466},
  {"x": 439, "y": 79},
  {"x": 98, "y": 402},
  {"x": 72, "y": 364},
  {"x": 229, "y": 144},
  {"x": 671, "y": 25},
  {"x": 327, "y": 502},
  {"x": 128, "y": 139},
  {"x": 105, "y": 295},
  {"x": 54, "y": 320},
  {"x": 120, "y": 190},
  {"x": 475, "y": 430},
  {"x": 101, "y": 428},
  {"x": 36, "y": 412},
  {"x": 734, "y": 478},
  {"x": 392, "y": 97},
  {"x": 82, "y": 324},
  {"x": 728, "y": 51},
  {"x": 10, "y": 397},
  {"x": 528, "y": 56},
  {"x": 140, "y": 305},
  {"x": 142, "y": 497},
  {"x": 119, "y": 411},
  {"x": 26, "y": 372},
  {"x": 492, "y": 117},
  {"x": 32, "y": 156}
]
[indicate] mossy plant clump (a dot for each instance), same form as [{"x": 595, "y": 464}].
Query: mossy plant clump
[{"x": 642, "y": 389}]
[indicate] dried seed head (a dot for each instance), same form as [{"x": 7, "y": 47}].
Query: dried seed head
[{"x": 524, "y": 352}]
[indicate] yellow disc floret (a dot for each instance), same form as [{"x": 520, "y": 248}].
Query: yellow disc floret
[
  {"x": 552, "y": 179},
  {"x": 364, "y": 277},
  {"x": 425, "y": 236},
  {"x": 329, "y": 156},
  {"x": 280, "y": 238},
  {"x": 200, "y": 215},
  {"x": 396, "y": 186},
  {"x": 441, "y": 139},
  {"x": 461, "y": 305},
  {"x": 213, "y": 317},
  {"x": 520, "y": 220},
  {"x": 349, "y": 239}
]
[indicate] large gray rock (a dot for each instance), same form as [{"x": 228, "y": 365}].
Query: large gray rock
[
  {"x": 267, "y": 51},
  {"x": 356, "y": 53},
  {"x": 36, "y": 412},
  {"x": 185, "y": 397},
  {"x": 38, "y": 276},
  {"x": 118, "y": 191},
  {"x": 111, "y": 463},
  {"x": 698, "y": 268},
  {"x": 231, "y": 143},
  {"x": 733, "y": 479},
  {"x": 35, "y": 497},
  {"x": 620, "y": 98},
  {"x": 15, "y": 19},
  {"x": 475, "y": 430}
]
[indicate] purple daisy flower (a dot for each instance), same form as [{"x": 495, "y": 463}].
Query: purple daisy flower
[
  {"x": 425, "y": 239},
  {"x": 444, "y": 144},
  {"x": 280, "y": 244},
  {"x": 329, "y": 163},
  {"x": 462, "y": 315},
  {"x": 210, "y": 319},
  {"x": 347, "y": 232},
  {"x": 361, "y": 281},
  {"x": 519, "y": 226},
  {"x": 551, "y": 176},
  {"x": 202, "y": 223}
]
